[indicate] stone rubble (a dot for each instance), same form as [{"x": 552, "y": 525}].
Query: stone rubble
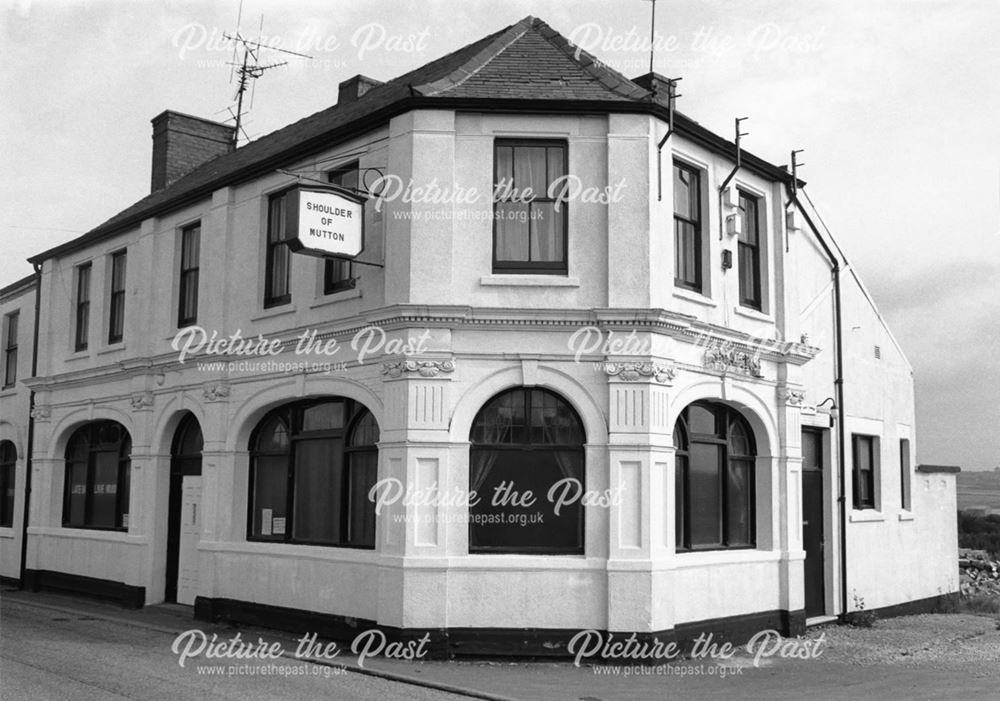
[{"x": 978, "y": 573}]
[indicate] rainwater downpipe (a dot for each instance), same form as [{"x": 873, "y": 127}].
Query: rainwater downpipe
[
  {"x": 30, "y": 448},
  {"x": 838, "y": 382}
]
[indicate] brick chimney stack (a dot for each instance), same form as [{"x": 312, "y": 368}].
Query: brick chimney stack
[
  {"x": 181, "y": 143},
  {"x": 353, "y": 88}
]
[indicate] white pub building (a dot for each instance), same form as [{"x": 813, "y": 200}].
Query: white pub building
[{"x": 651, "y": 397}]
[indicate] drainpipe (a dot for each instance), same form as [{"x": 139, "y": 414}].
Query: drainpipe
[
  {"x": 838, "y": 382},
  {"x": 671, "y": 99},
  {"x": 30, "y": 449},
  {"x": 732, "y": 173}
]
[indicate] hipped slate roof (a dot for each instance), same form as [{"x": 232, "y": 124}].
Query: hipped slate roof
[{"x": 525, "y": 66}]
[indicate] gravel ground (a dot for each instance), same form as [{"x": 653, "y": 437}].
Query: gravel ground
[{"x": 963, "y": 642}]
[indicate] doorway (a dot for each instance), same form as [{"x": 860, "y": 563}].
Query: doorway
[
  {"x": 812, "y": 521},
  {"x": 184, "y": 513}
]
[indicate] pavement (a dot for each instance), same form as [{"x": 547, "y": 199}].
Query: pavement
[{"x": 912, "y": 658}]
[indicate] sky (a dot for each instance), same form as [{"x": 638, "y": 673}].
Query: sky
[{"x": 896, "y": 103}]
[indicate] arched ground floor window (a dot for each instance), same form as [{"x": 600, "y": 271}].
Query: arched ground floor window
[
  {"x": 525, "y": 440},
  {"x": 8, "y": 463},
  {"x": 96, "y": 488},
  {"x": 715, "y": 455},
  {"x": 312, "y": 465}
]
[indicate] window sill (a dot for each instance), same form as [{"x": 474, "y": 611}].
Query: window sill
[
  {"x": 866, "y": 516},
  {"x": 116, "y": 536},
  {"x": 112, "y": 348},
  {"x": 489, "y": 562},
  {"x": 8, "y": 532},
  {"x": 78, "y": 355},
  {"x": 8, "y": 391},
  {"x": 293, "y": 551},
  {"x": 695, "y": 297},
  {"x": 520, "y": 280},
  {"x": 750, "y": 313},
  {"x": 695, "y": 558},
  {"x": 273, "y": 312},
  {"x": 334, "y": 297},
  {"x": 905, "y": 515}
]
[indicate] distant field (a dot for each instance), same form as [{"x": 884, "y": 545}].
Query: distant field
[{"x": 979, "y": 490}]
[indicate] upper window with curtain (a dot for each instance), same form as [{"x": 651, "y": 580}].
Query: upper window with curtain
[
  {"x": 529, "y": 226},
  {"x": 526, "y": 439}
]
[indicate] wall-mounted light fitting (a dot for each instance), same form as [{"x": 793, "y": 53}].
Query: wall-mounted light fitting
[{"x": 734, "y": 225}]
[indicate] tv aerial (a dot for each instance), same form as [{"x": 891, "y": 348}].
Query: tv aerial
[{"x": 249, "y": 69}]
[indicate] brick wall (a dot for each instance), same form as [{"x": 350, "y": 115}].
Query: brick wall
[{"x": 181, "y": 143}]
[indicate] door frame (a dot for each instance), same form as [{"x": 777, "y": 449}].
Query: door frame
[
  {"x": 823, "y": 450},
  {"x": 181, "y": 466}
]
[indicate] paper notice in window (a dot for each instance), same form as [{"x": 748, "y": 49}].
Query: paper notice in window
[
  {"x": 124, "y": 520},
  {"x": 279, "y": 526},
  {"x": 265, "y": 522}
]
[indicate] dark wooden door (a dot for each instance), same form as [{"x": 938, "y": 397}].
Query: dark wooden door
[
  {"x": 812, "y": 521},
  {"x": 185, "y": 461}
]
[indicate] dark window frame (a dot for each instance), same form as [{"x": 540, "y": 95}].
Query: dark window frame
[
  {"x": 8, "y": 477},
  {"x": 696, "y": 285},
  {"x": 751, "y": 298},
  {"x": 123, "y": 478},
  {"x": 905, "y": 475},
  {"x": 270, "y": 246},
  {"x": 189, "y": 276},
  {"x": 11, "y": 325},
  {"x": 116, "y": 300},
  {"x": 81, "y": 327},
  {"x": 338, "y": 273},
  {"x": 861, "y": 477},
  {"x": 725, "y": 416},
  {"x": 577, "y": 449},
  {"x": 529, "y": 267},
  {"x": 291, "y": 416}
]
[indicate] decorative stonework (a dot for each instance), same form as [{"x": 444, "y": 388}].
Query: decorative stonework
[
  {"x": 142, "y": 400},
  {"x": 635, "y": 371},
  {"x": 215, "y": 391},
  {"x": 792, "y": 397},
  {"x": 41, "y": 412},
  {"x": 726, "y": 358},
  {"x": 424, "y": 368}
]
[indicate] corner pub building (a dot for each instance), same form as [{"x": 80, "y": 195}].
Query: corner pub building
[{"x": 704, "y": 361}]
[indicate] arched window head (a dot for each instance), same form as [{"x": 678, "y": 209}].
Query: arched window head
[
  {"x": 364, "y": 432},
  {"x": 526, "y": 439},
  {"x": 714, "y": 479},
  {"x": 272, "y": 435},
  {"x": 188, "y": 440}
]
